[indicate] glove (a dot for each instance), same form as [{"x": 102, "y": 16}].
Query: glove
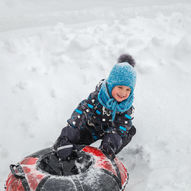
[
  {"x": 63, "y": 148},
  {"x": 108, "y": 150},
  {"x": 110, "y": 144},
  {"x": 132, "y": 131}
]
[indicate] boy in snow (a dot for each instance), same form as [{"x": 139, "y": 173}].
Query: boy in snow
[{"x": 106, "y": 114}]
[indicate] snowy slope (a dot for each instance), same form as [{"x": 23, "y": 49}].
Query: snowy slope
[{"x": 52, "y": 55}]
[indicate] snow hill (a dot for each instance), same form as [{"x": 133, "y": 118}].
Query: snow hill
[{"x": 53, "y": 53}]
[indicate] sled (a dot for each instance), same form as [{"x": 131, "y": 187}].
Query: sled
[{"x": 88, "y": 170}]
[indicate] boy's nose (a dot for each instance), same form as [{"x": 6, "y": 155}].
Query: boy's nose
[{"x": 123, "y": 93}]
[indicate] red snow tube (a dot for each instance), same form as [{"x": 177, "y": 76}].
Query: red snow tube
[{"x": 89, "y": 170}]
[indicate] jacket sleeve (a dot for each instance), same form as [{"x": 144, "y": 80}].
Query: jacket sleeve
[
  {"x": 71, "y": 133},
  {"x": 80, "y": 115},
  {"x": 124, "y": 127},
  {"x": 85, "y": 110},
  {"x": 79, "y": 118}
]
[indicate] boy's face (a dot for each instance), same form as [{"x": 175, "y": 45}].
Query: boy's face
[{"x": 120, "y": 93}]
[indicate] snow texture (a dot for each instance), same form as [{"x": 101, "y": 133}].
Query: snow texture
[{"x": 53, "y": 53}]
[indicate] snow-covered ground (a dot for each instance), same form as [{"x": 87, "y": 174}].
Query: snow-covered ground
[{"x": 53, "y": 53}]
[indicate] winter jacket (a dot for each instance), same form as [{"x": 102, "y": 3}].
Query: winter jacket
[{"x": 91, "y": 121}]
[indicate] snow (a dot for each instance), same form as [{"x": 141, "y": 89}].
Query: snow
[{"x": 53, "y": 53}]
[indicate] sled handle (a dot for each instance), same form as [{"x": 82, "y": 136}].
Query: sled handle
[{"x": 19, "y": 173}]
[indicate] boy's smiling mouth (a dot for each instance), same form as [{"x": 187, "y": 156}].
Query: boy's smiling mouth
[{"x": 120, "y": 96}]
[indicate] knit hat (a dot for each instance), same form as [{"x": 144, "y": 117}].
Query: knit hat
[{"x": 124, "y": 74}]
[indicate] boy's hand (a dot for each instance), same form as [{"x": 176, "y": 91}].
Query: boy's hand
[
  {"x": 110, "y": 144},
  {"x": 108, "y": 150},
  {"x": 63, "y": 148}
]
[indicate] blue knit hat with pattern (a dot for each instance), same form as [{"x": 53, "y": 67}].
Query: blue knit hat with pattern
[{"x": 121, "y": 74}]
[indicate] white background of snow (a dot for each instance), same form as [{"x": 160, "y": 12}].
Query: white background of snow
[{"x": 53, "y": 53}]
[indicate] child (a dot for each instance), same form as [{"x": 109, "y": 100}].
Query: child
[{"x": 106, "y": 114}]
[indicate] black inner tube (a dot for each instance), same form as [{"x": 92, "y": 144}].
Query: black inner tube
[{"x": 79, "y": 162}]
